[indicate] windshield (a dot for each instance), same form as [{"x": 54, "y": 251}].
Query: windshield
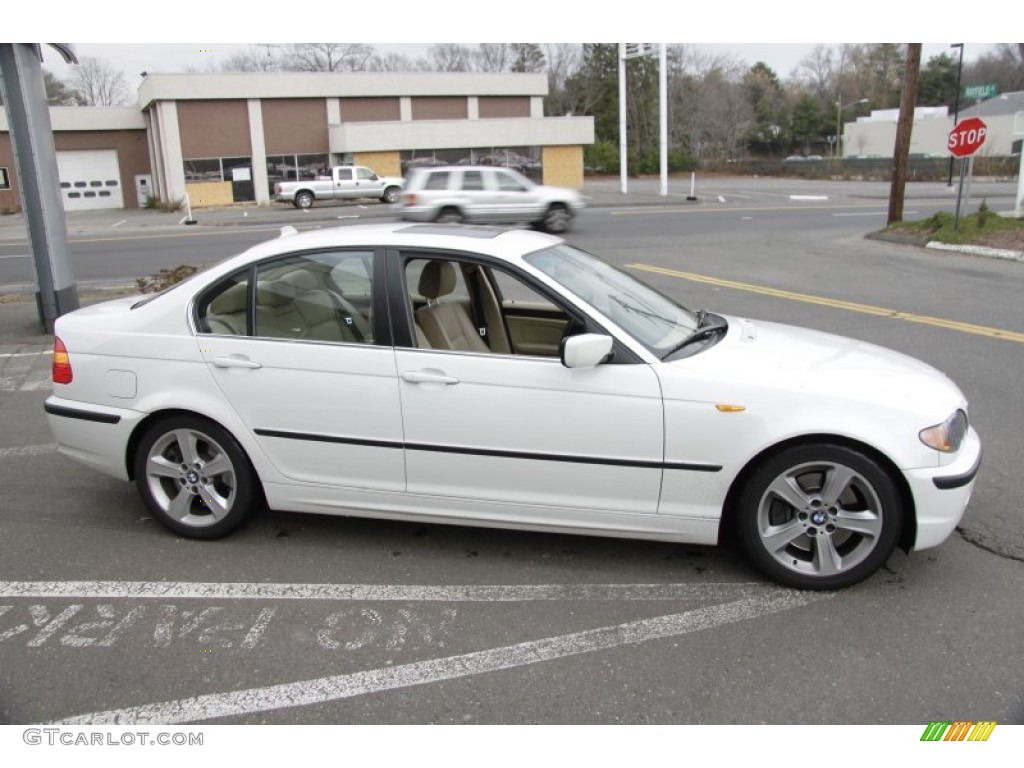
[{"x": 654, "y": 320}]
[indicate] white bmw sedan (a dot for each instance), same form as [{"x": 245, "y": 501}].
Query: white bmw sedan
[{"x": 502, "y": 378}]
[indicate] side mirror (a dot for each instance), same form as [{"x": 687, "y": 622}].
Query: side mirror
[{"x": 585, "y": 350}]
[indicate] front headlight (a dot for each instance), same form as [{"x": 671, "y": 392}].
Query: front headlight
[{"x": 948, "y": 435}]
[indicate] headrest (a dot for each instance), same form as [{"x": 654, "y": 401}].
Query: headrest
[
  {"x": 437, "y": 279},
  {"x": 232, "y": 300},
  {"x": 274, "y": 293},
  {"x": 301, "y": 280}
]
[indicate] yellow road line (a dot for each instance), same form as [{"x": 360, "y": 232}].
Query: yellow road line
[
  {"x": 864, "y": 309},
  {"x": 641, "y": 210}
]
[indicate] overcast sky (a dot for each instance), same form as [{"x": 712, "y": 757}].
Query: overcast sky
[
  {"x": 751, "y": 30},
  {"x": 133, "y": 59}
]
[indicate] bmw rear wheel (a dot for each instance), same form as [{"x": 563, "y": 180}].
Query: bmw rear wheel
[
  {"x": 194, "y": 477},
  {"x": 819, "y": 516}
]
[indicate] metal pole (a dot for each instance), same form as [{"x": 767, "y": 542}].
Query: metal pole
[
  {"x": 956, "y": 103},
  {"x": 28, "y": 117},
  {"x": 839, "y": 127},
  {"x": 959, "y": 196},
  {"x": 1020, "y": 188},
  {"x": 663, "y": 98},
  {"x": 622, "y": 116}
]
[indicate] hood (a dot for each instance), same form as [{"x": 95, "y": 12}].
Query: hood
[{"x": 763, "y": 356}]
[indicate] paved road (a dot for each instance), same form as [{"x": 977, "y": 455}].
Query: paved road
[{"x": 305, "y": 619}]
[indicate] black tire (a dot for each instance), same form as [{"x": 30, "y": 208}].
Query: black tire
[
  {"x": 390, "y": 195},
  {"x": 173, "y": 463},
  {"x": 304, "y": 200},
  {"x": 450, "y": 215},
  {"x": 557, "y": 219},
  {"x": 819, "y": 516}
]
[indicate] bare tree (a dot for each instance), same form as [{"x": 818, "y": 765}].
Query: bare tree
[
  {"x": 563, "y": 60},
  {"x": 392, "y": 62},
  {"x": 494, "y": 57},
  {"x": 261, "y": 57},
  {"x": 97, "y": 84},
  {"x": 817, "y": 71},
  {"x": 450, "y": 57},
  {"x": 328, "y": 57}
]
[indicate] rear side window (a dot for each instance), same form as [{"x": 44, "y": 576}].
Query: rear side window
[{"x": 437, "y": 180}]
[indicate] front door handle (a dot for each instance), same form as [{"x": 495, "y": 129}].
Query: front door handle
[
  {"x": 235, "y": 361},
  {"x": 429, "y": 377}
]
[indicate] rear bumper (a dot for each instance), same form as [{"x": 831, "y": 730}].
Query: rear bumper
[
  {"x": 941, "y": 494},
  {"x": 94, "y": 435}
]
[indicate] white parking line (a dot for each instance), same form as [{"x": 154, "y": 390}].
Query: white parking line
[
  {"x": 16, "y": 256},
  {"x": 26, "y": 354},
  {"x": 325, "y": 689},
  {"x": 165, "y": 590},
  {"x": 27, "y": 450}
]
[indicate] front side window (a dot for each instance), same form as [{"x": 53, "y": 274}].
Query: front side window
[
  {"x": 365, "y": 174},
  {"x": 508, "y": 182},
  {"x": 654, "y": 320},
  {"x": 462, "y": 306}
]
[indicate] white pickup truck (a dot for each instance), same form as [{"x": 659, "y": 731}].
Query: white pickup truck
[{"x": 347, "y": 182}]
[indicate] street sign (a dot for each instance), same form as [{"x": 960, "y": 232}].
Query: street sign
[
  {"x": 987, "y": 91},
  {"x": 967, "y": 137}
]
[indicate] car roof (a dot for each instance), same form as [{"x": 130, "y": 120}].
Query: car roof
[{"x": 505, "y": 244}]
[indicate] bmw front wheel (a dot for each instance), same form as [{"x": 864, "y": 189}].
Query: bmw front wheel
[{"x": 819, "y": 516}]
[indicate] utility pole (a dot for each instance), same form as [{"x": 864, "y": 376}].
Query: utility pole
[
  {"x": 28, "y": 116},
  {"x": 904, "y": 127}
]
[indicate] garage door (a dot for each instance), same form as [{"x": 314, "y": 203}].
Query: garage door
[{"x": 90, "y": 179}]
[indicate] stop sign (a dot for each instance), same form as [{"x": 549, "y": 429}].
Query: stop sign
[{"x": 967, "y": 137}]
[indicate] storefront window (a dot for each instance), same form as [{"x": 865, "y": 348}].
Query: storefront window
[
  {"x": 526, "y": 160},
  {"x": 296, "y": 168}
]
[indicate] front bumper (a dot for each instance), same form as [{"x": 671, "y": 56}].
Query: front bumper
[
  {"x": 94, "y": 435},
  {"x": 941, "y": 494}
]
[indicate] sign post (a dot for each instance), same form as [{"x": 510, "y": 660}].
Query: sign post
[
  {"x": 633, "y": 51},
  {"x": 964, "y": 140}
]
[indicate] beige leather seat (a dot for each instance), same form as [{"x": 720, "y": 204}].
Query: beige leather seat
[
  {"x": 276, "y": 314},
  {"x": 226, "y": 314},
  {"x": 445, "y": 323},
  {"x": 325, "y": 315}
]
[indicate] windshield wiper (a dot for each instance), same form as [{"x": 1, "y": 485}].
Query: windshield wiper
[{"x": 707, "y": 325}]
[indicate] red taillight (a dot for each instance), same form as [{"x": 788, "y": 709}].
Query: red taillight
[
  {"x": 61, "y": 363},
  {"x": 409, "y": 198}
]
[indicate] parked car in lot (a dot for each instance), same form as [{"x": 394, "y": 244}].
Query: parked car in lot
[
  {"x": 346, "y": 182},
  {"x": 487, "y": 194},
  {"x": 505, "y": 378}
]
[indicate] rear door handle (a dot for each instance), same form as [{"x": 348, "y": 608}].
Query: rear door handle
[
  {"x": 235, "y": 361},
  {"x": 428, "y": 377}
]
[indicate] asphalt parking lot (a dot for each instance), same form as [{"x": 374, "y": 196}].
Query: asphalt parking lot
[{"x": 106, "y": 617}]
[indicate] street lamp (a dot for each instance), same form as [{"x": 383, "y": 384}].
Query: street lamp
[
  {"x": 956, "y": 102},
  {"x": 839, "y": 122}
]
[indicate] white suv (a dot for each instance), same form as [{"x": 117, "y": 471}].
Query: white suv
[{"x": 486, "y": 194}]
